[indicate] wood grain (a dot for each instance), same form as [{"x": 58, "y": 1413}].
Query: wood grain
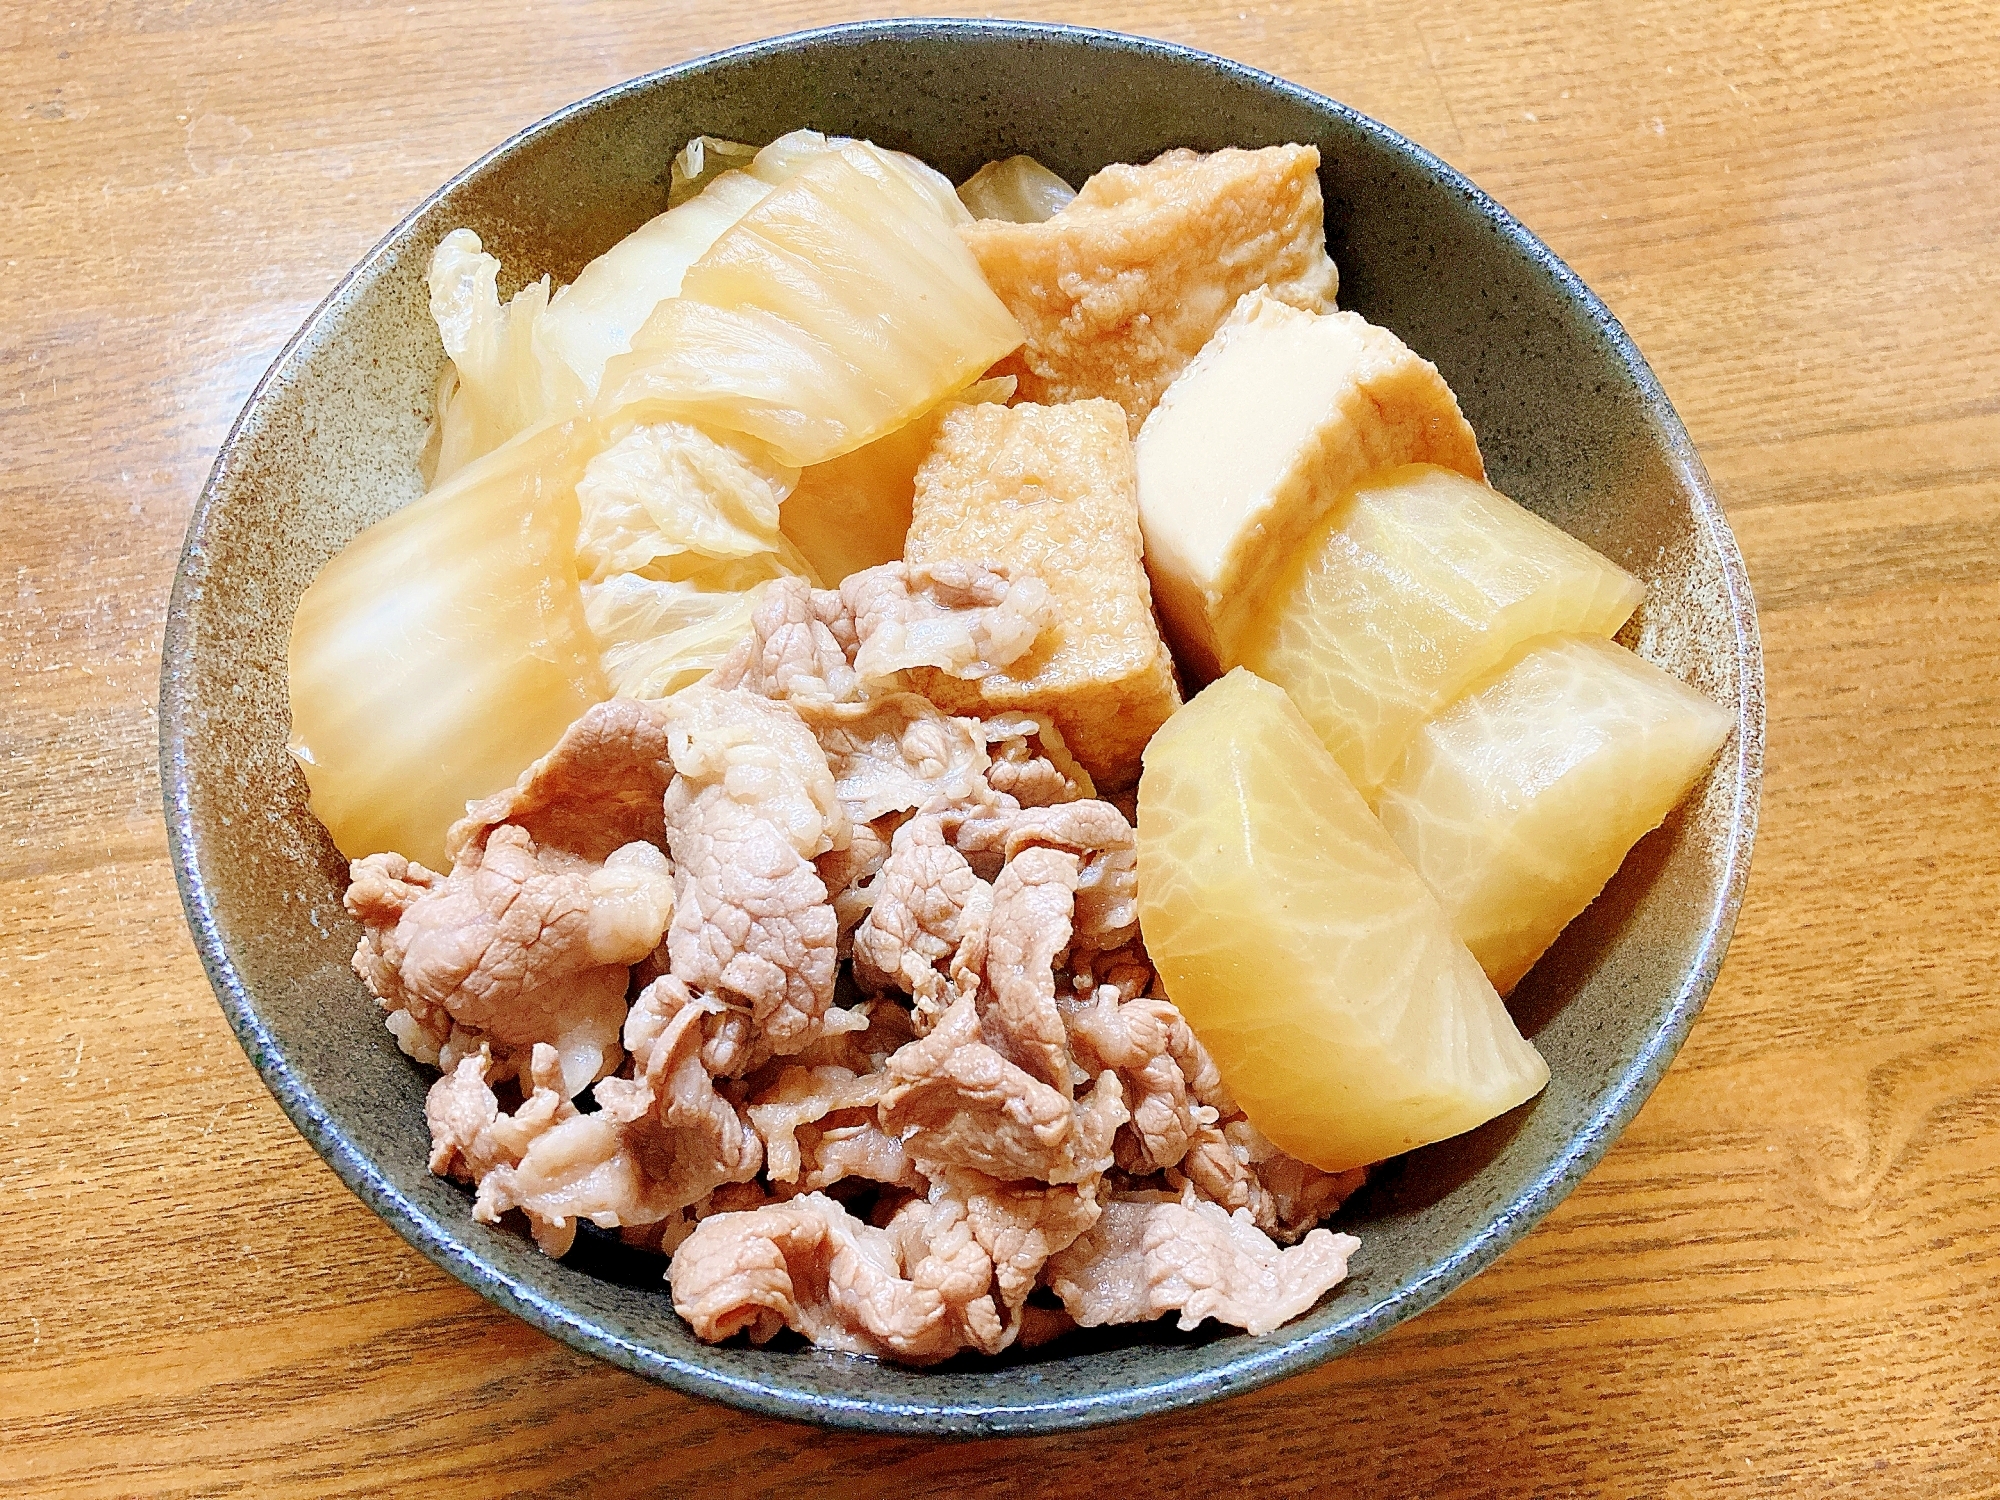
[{"x": 1785, "y": 1278}]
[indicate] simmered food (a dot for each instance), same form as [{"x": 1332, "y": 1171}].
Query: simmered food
[
  {"x": 1316, "y": 966},
  {"x": 678, "y": 530},
  {"x": 1272, "y": 426},
  {"x": 1019, "y": 190},
  {"x": 736, "y": 748},
  {"x": 1412, "y": 589},
  {"x": 1120, "y": 288},
  {"x": 457, "y": 627},
  {"x": 853, "y": 512},
  {"x": 834, "y": 311},
  {"x": 1519, "y": 802},
  {"x": 1049, "y": 490}
]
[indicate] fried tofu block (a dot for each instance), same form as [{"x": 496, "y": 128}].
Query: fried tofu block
[
  {"x": 1052, "y": 489},
  {"x": 1122, "y": 288},
  {"x": 1276, "y": 422}
]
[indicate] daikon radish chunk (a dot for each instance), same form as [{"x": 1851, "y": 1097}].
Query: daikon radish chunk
[
  {"x": 1520, "y": 801},
  {"x": 1347, "y": 1019},
  {"x": 1407, "y": 594}
]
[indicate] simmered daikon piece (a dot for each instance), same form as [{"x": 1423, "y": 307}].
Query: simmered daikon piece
[
  {"x": 1410, "y": 592},
  {"x": 1316, "y": 967},
  {"x": 1519, "y": 802}
]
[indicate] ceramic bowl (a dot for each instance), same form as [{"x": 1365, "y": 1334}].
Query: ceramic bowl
[{"x": 1572, "y": 424}]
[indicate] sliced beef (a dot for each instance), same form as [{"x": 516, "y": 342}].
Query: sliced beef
[
  {"x": 659, "y": 1141},
  {"x": 752, "y": 805},
  {"x": 1147, "y": 1257},
  {"x": 472, "y": 1138},
  {"x": 964, "y": 618},
  {"x": 809, "y": 1265}
]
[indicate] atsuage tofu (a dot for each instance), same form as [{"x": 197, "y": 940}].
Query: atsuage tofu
[
  {"x": 1122, "y": 288},
  {"x": 1052, "y": 489}
]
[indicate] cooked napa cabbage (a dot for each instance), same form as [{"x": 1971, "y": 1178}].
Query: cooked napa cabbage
[
  {"x": 572, "y": 546},
  {"x": 445, "y": 649},
  {"x": 1020, "y": 190},
  {"x": 500, "y": 381},
  {"x": 701, "y": 161},
  {"x": 676, "y": 531},
  {"x": 789, "y": 155},
  {"x": 540, "y": 356},
  {"x": 837, "y": 309},
  {"x": 668, "y": 488},
  {"x": 658, "y": 635},
  {"x": 591, "y": 321},
  {"x": 708, "y": 159}
]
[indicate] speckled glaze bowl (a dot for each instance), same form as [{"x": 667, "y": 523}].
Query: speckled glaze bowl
[{"x": 1572, "y": 424}]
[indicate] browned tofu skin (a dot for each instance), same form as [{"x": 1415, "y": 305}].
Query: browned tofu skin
[
  {"x": 1123, "y": 287},
  {"x": 1052, "y": 489}
]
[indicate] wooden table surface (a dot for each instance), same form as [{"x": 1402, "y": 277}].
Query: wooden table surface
[{"x": 1785, "y": 1277}]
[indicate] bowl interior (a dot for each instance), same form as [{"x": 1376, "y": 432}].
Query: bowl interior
[{"x": 1571, "y": 422}]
